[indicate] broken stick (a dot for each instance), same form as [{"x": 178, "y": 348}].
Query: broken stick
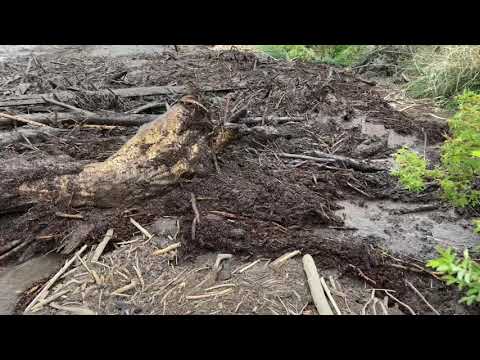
[
  {"x": 167, "y": 249},
  {"x": 101, "y": 247},
  {"x": 21, "y": 119},
  {"x": 52, "y": 281},
  {"x": 315, "y": 285},
  {"x": 278, "y": 262}
]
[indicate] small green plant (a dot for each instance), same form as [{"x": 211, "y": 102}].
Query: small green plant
[
  {"x": 411, "y": 169},
  {"x": 460, "y": 160},
  {"x": 462, "y": 272},
  {"x": 476, "y": 226}
]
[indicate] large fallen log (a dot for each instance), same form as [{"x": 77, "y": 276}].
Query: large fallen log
[
  {"x": 160, "y": 154},
  {"x": 65, "y": 96},
  {"x": 96, "y": 119}
]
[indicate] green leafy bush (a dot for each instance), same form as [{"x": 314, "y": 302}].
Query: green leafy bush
[
  {"x": 462, "y": 272},
  {"x": 343, "y": 55},
  {"x": 411, "y": 169},
  {"x": 460, "y": 161}
]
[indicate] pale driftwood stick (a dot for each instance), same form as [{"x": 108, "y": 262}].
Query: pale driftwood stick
[
  {"x": 219, "y": 293},
  {"x": 167, "y": 249},
  {"x": 69, "y": 216},
  {"x": 141, "y": 228},
  {"x": 329, "y": 295},
  {"x": 421, "y": 297},
  {"x": 245, "y": 268},
  {"x": 73, "y": 309},
  {"x": 52, "y": 281},
  {"x": 113, "y": 119},
  {"x": 21, "y": 119},
  {"x": 125, "y": 288},
  {"x": 67, "y": 106},
  {"x": 101, "y": 247},
  {"x": 315, "y": 286},
  {"x": 48, "y": 300},
  {"x": 278, "y": 262}
]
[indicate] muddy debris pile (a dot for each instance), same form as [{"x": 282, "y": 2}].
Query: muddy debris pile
[{"x": 250, "y": 155}]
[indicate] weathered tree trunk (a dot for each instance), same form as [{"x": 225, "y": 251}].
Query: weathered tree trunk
[{"x": 160, "y": 154}]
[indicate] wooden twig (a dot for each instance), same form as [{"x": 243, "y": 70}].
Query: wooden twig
[
  {"x": 245, "y": 268},
  {"x": 74, "y": 309},
  {"x": 208, "y": 295},
  {"x": 67, "y": 106},
  {"x": 125, "y": 288},
  {"x": 195, "y": 207},
  {"x": 196, "y": 219},
  {"x": 401, "y": 303},
  {"x": 278, "y": 262},
  {"x": 21, "y": 119},
  {"x": 141, "y": 228},
  {"x": 315, "y": 285},
  {"x": 421, "y": 296},
  {"x": 360, "y": 272},
  {"x": 151, "y": 105},
  {"x": 52, "y": 281},
  {"x": 106, "y": 119},
  {"x": 329, "y": 295},
  {"x": 167, "y": 249},
  {"x": 101, "y": 247},
  {"x": 372, "y": 296},
  {"x": 69, "y": 216},
  {"x": 220, "y": 258},
  {"x": 48, "y": 300}
]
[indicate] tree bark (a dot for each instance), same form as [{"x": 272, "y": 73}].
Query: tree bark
[{"x": 160, "y": 154}]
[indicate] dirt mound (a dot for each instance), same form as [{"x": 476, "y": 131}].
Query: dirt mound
[{"x": 267, "y": 192}]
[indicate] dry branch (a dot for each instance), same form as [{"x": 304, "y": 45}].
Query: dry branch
[
  {"x": 65, "y": 96},
  {"x": 315, "y": 285},
  {"x": 101, "y": 247},
  {"x": 52, "y": 281},
  {"x": 115, "y": 119}
]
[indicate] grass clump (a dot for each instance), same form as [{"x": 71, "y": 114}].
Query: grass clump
[{"x": 444, "y": 71}]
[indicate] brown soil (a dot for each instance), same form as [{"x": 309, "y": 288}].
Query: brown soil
[{"x": 255, "y": 204}]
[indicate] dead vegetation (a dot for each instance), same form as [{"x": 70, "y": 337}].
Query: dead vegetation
[{"x": 249, "y": 155}]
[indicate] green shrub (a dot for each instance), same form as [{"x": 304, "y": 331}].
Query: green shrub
[
  {"x": 342, "y": 55},
  {"x": 460, "y": 163},
  {"x": 411, "y": 169},
  {"x": 462, "y": 272}
]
